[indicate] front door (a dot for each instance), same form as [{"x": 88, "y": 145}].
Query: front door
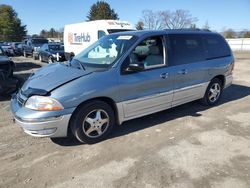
[{"x": 150, "y": 90}]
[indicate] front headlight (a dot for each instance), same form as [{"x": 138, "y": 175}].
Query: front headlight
[
  {"x": 54, "y": 55},
  {"x": 42, "y": 103}
]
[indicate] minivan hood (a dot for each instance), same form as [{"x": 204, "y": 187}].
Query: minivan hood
[{"x": 52, "y": 76}]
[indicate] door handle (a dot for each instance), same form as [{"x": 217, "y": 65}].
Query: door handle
[
  {"x": 164, "y": 75},
  {"x": 184, "y": 71}
]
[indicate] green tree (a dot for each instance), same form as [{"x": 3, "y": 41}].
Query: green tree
[
  {"x": 246, "y": 34},
  {"x": 52, "y": 33},
  {"x": 101, "y": 10},
  {"x": 11, "y": 28},
  {"x": 43, "y": 33},
  {"x": 139, "y": 25},
  {"x": 229, "y": 33}
]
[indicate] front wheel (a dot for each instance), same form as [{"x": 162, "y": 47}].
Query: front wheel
[
  {"x": 40, "y": 58},
  {"x": 34, "y": 56},
  {"x": 92, "y": 122},
  {"x": 24, "y": 54},
  {"x": 213, "y": 92}
]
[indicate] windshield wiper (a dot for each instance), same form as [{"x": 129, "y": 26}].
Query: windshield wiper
[{"x": 79, "y": 63}]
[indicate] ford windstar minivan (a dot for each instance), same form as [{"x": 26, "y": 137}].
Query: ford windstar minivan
[{"x": 120, "y": 77}]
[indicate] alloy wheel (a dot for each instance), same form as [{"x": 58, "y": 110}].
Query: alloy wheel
[
  {"x": 95, "y": 123},
  {"x": 214, "y": 92}
]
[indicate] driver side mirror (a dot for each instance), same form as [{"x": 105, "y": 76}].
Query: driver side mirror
[
  {"x": 136, "y": 67},
  {"x": 128, "y": 67}
]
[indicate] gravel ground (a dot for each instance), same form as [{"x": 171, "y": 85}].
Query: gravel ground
[{"x": 187, "y": 146}]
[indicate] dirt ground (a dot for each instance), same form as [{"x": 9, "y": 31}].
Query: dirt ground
[{"x": 188, "y": 146}]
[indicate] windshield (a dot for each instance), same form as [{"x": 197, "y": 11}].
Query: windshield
[
  {"x": 39, "y": 41},
  {"x": 106, "y": 50}
]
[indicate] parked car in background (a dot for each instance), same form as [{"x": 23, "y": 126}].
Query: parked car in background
[
  {"x": 120, "y": 77},
  {"x": 51, "y": 52},
  {"x": 19, "y": 49},
  {"x": 6, "y": 64},
  {"x": 8, "y": 83},
  {"x": 8, "y": 50},
  {"x": 14, "y": 46},
  {"x": 32, "y": 45}
]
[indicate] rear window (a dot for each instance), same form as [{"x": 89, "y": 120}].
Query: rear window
[
  {"x": 185, "y": 48},
  {"x": 216, "y": 47}
]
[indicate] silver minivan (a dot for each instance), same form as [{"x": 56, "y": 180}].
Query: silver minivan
[{"x": 120, "y": 77}]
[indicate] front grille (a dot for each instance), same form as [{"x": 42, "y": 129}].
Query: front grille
[{"x": 20, "y": 99}]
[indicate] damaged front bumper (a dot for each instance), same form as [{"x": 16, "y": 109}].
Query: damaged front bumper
[{"x": 41, "y": 123}]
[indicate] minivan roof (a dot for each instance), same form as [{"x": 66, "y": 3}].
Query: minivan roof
[{"x": 166, "y": 31}]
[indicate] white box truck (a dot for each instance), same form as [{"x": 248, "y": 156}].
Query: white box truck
[{"x": 79, "y": 36}]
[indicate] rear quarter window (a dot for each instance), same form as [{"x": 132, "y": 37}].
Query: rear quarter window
[
  {"x": 216, "y": 47},
  {"x": 185, "y": 48}
]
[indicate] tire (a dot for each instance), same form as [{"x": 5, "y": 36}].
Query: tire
[
  {"x": 213, "y": 92},
  {"x": 11, "y": 69},
  {"x": 50, "y": 60},
  {"x": 40, "y": 58},
  {"x": 34, "y": 57},
  {"x": 24, "y": 54},
  {"x": 92, "y": 122}
]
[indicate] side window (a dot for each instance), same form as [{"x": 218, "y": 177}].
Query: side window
[
  {"x": 185, "y": 48},
  {"x": 101, "y": 34},
  {"x": 216, "y": 47},
  {"x": 149, "y": 53}
]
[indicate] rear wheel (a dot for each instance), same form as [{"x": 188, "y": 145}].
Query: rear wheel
[
  {"x": 213, "y": 92},
  {"x": 92, "y": 122}
]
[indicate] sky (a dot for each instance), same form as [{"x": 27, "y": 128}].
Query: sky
[{"x": 45, "y": 14}]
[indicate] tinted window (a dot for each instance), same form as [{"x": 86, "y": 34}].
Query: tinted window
[
  {"x": 216, "y": 46},
  {"x": 185, "y": 48}
]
